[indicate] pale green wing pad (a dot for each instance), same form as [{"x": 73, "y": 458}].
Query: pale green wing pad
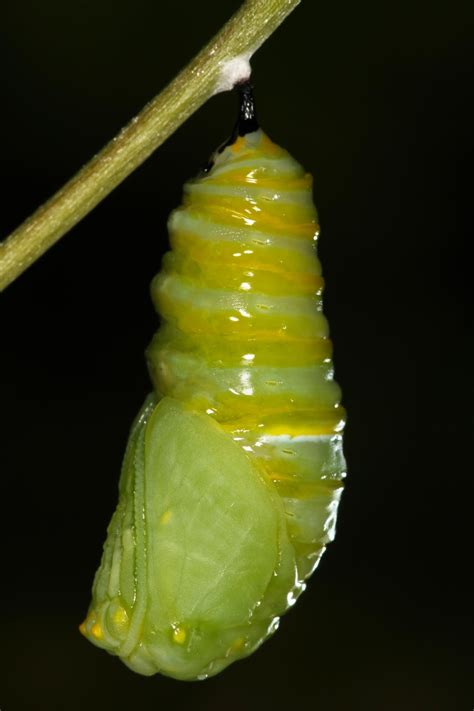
[
  {"x": 214, "y": 537},
  {"x": 218, "y": 565}
]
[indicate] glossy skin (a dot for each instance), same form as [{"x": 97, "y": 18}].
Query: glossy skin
[{"x": 234, "y": 467}]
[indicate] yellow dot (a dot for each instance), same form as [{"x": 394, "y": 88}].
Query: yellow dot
[
  {"x": 96, "y": 631},
  {"x": 238, "y": 644},
  {"x": 166, "y": 517},
  {"x": 120, "y": 617},
  {"x": 179, "y": 635}
]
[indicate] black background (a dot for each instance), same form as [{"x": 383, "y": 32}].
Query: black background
[{"x": 374, "y": 99}]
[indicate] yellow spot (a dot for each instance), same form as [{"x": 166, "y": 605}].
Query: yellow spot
[
  {"x": 238, "y": 644},
  {"x": 96, "y": 631},
  {"x": 166, "y": 517},
  {"x": 120, "y": 617},
  {"x": 179, "y": 635},
  {"x": 82, "y": 628}
]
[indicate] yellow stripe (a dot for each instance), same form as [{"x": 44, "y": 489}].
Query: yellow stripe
[
  {"x": 250, "y": 255},
  {"x": 256, "y": 176},
  {"x": 228, "y": 211},
  {"x": 318, "y": 423},
  {"x": 235, "y": 277}
]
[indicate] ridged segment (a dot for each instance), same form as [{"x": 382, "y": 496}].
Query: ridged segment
[{"x": 244, "y": 338}]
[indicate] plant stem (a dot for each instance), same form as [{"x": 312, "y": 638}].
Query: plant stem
[{"x": 206, "y": 75}]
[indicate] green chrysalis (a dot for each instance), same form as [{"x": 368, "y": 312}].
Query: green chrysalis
[{"x": 234, "y": 466}]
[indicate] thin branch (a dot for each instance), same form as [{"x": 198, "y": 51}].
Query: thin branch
[{"x": 221, "y": 64}]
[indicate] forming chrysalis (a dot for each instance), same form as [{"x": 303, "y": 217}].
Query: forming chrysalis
[{"x": 234, "y": 466}]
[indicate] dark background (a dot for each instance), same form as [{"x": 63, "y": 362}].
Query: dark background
[{"x": 374, "y": 99}]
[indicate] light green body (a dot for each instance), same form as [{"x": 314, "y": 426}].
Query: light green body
[{"x": 233, "y": 470}]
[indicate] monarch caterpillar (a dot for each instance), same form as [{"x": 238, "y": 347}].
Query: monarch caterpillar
[{"x": 233, "y": 470}]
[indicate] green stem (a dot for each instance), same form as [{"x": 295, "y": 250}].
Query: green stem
[{"x": 209, "y": 73}]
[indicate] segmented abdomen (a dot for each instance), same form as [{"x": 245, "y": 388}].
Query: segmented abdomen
[{"x": 244, "y": 339}]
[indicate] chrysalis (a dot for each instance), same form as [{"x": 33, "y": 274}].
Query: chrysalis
[{"x": 234, "y": 466}]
